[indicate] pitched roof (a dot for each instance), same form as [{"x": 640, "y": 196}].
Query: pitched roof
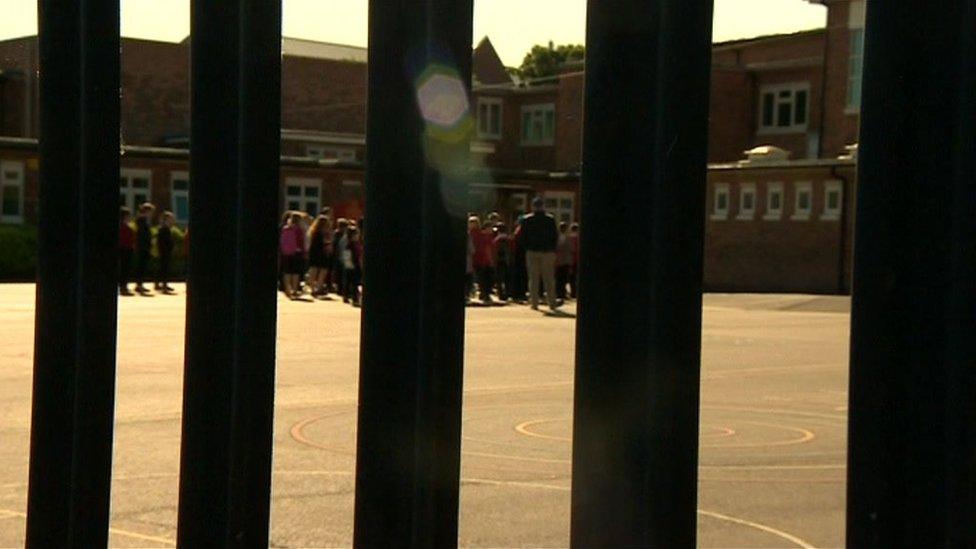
[
  {"x": 300, "y": 47},
  {"x": 486, "y": 66}
]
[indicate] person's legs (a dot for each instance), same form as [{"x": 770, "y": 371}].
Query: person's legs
[
  {"x": 501, "y": 281},
  {"x": 562, "y": 275},
  {"x": 162, "y": 276},
  {"x": 573, "y": 279},
  {"x": 484, "y": 284},
  {"x": 533, "y": 267},
  {"x": 142, "y": 262},
  {"x": 313, "y": 279},
  {"x": 547, "y": 266},
  {"x": 125, "y": 265}
]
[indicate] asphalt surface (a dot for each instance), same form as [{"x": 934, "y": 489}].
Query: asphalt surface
[{"x": 773, "y": 422}]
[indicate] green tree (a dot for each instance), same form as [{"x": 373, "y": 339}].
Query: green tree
[{"x": 548, "y": 60}]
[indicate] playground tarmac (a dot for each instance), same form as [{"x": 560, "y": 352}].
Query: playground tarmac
[{"x": 774, "y": 386}]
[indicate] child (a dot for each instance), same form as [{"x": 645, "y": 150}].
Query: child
[
  {"x": 164, "y": 245},
  {"x": 143, "y": 245},
  {"x": 292, "y": 244},
  {"x": 319, "y": 254},
  {"x": 127, "y": 244},
  {"x": 353, "y": 263},
  {"x": 502, "y": 253}
]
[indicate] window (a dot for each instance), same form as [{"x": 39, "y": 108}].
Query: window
[
  {"x": 561, "y": 205},
  {"x": 135, "y": 188},
  {"x": 747, "y": 201},
  {"x": 803, "y": 201},
  {"x": 302, "y": 195},
  {"x": 784, "y": 109},
  {"x": 538, "y": 124},
  {"x": 774, "y": 202},
  {"x": 490, "y": 117},
  {"x": 833, "y": 195},
  {"x": 11, "y": 192},
  {"x": 720, "y": 202},
  {"x": 330, "y": 153},
  {"x": 180, "y": 196}
]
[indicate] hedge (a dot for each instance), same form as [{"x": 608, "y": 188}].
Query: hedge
[{"x": 18, "y": 254}]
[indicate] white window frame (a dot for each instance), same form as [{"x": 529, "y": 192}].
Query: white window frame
[
  {"x": 488, "y": 102},
  {"x": 832, "y": 214},
  {"x": 774, "y": 214},
  {"x": 720, "y": 214},
  {"x": 799, "y": 188},
  {"x": 175, "y": 193},
  {"x": 744, "y": 214},
  {"x": 344, "y": 154},
  {"x": 539, "y": 110},
  {"x": 129, "y": 174},
  {"x": 559, "y": 210},
  {"x": 776, "y": 89},
  {"x": 303, "y": 199},
  {"x": 17, "y": 168}
]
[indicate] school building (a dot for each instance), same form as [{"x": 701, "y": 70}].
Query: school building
[{"x": 782, "y": 144}]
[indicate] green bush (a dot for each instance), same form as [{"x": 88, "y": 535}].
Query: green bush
[{"x": 18, "y": 253}]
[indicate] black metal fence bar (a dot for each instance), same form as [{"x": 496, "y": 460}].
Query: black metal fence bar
[
  {"x": 74, "y": 350},
  {"x": 635, "y": 433},
  {"x": 225, "y": 467},
  {"x": 912, "y": 454},
  {"x": 418, "y": 133}
]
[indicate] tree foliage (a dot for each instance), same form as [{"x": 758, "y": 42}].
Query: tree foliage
[{"x": 548, "y": 60}]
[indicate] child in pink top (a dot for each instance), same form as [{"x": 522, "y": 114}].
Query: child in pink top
[{"x": 292, "y": 243}]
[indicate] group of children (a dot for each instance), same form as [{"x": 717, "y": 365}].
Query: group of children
[
  {"x": 496, "y": 261},
  {"x": 137, "y": 242},
  {"x": 319, "y": 258}
]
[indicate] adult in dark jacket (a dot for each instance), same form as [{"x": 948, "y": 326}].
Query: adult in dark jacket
[{"x": 539, "y": 237}]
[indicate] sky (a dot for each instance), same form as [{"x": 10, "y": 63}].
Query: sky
[{"x": 514, "y": 26}]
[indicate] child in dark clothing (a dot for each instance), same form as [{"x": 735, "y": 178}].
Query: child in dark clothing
[
  {"x": 127, "y": 243},
  {"x": 353, "y": 266},
  {"x": 143, "y": 245},
  {"x": 164, "y": 244}
]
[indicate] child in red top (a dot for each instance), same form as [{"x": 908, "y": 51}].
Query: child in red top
[
  {"x": 127, "y": 246},
  {"x": 484, "y": 257}
]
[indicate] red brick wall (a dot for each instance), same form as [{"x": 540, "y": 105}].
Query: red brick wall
[
  {"x": 13, "y": 92},
  {"x": 569, "y": 123},
  {"x": 783, "y": 255},
  {"x": 732, "y": 121},
  {"x": 20, "y": 56},
  {"x": 323, "y": 95},
  {"x": 740, "y": 70},
  {"x": 155, "y": 91},
  {"x": 509, "y": 152}
]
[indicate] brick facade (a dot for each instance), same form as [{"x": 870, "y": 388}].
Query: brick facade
[
  {"x": 842, "y": 123},
  {"x": 323, "y": 112}
]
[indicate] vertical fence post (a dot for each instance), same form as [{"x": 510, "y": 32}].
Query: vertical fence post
[
  {"x": 912, "y": 431},
  {"x": 225, "y": 466},
  {"x": 77, "y": 274},
  {"x": 418, "y": 134},
  {"x": 635, "y": 432}
]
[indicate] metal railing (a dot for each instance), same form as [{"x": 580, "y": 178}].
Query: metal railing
[{"x": 913, "y": 380}]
